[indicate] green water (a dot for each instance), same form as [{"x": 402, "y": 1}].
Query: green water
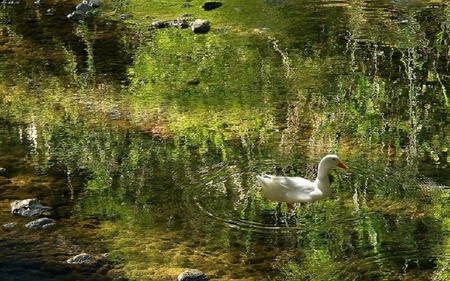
[{"x": 147, "y": 142}]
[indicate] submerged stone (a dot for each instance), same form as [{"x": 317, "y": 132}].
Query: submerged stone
[
  {"x": 160, "y": 24},
  {"x": 125, "y": 16},
  {"x": 192, "y": 275},
  {"x": 10, "y": 2},
  {"x": 81, "y": 259},
  {"x": 208, "y": 6},
  {"x": 50, "y": 12},
  {"x": 10, "y": 225},
  {"x": 40, "y": 223},
  {"x": 76, "y": 16},
  {"x": 28, "y": 207}
]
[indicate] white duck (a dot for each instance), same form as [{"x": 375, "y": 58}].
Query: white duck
[{"x": 295, "y": 189}]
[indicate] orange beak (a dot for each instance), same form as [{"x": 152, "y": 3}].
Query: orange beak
[{"x": 342, "y": 165}]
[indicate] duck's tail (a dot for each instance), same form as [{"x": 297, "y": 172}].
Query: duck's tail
[{"x": 270, "y": 188}]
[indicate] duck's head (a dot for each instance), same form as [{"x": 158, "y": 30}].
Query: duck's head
[{"x": 331, "y": 161}]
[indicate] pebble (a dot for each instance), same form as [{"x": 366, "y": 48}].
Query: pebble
[
  {"x": 81, "y": 259},
  {"x": 192, "y": 275}
]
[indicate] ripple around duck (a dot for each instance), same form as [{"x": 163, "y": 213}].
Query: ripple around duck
[
  {"x": 218, "y": 197},
  {"x": 239, "y": 223},
  {"x": 232, "y": 197},
  {"x": 237, "y": 205},
  {"x": 257, "y": 217},
  {"x": 200, "y": 211}
]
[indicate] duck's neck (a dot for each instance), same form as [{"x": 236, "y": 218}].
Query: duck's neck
[
  {"x": 322, "y": 172},
  {"x": 322, "y": 180}
]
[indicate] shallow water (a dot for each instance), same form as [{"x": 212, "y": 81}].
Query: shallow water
[{"x": 147, "y": 142}]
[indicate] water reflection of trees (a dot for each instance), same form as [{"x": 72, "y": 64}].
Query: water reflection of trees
[{"x": 220, "y": 110}]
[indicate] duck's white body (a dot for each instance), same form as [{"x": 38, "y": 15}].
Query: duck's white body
[{"x": 296, "y": 189}]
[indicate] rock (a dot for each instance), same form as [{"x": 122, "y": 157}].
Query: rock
[
  {"x": 125, "y": 16},
  {"x": 192, "y": 275},
  {"x": 91, "y": 13},
  {"x": 200, "y": 26},
  {"x": 28, "y": 208},
  {"x": 193, "y": 82},
  {"x": 160, "y": 24},
  {"x": 186, "y": 5},
  {"x": 208, "y": 6},
  {"x": 4, "y": 2},
  {"x": 50, "y": 12},
  {"x": 261, "y": 30},
  {"x": 76, "y": 16},
  {"x": 93, "y": 3},
  {"x": 83, "y": 7},
  {"x": 180, "y": 23},
  {"x": 40, "y": 223},
  {"x": 10, "y": 225},
  {"x": 81, "y": 259}
]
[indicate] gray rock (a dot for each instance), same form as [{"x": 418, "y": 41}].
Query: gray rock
[
  {"x": 40, "y": 223},
  {"x": 10, "y": 225},
  {"x": 180, "y": 23},
  {"x": 200, "y": 26},
  {"x": 4, "y": 2},
  {"x": 81, "y": 259},
  {"x": 83, "y": 7},
  {"x": 50, "y": 12},
  {"x": 28, "y": 208},
  {"x": 125, "y": 16},
  {"x": 160, "y": 24},
  {"x": 93, "y": 3},
  {"x": 192, "y": 275},
  {"x": 76, "y": 16}
]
